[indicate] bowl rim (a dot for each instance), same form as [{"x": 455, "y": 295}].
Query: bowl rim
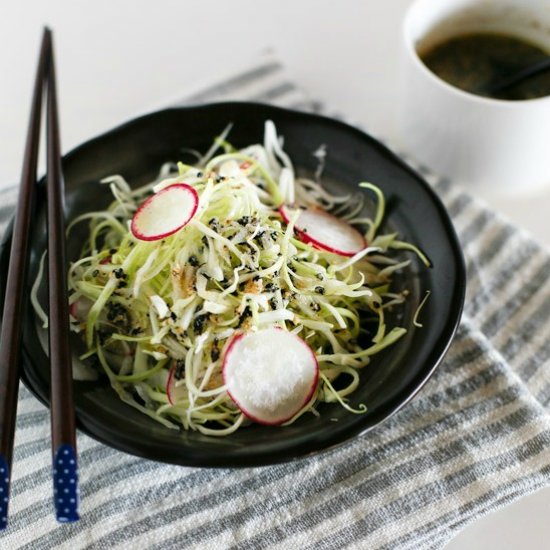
[{"x": 339, "y": 437}]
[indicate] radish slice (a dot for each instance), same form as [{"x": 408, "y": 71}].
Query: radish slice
[
  {"x": 173, "y": 392},
  {"x": 79, "y": 310},
  {"x": 270, "y": 374},
  {"x": 165, "y": 212},
  {"x": 325, "y": 231}
]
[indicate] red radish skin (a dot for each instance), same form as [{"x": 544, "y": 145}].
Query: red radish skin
[
  {"x": 148, "y": 224},
  {"x": 307, "y": 235},
  {"x": 239, "y": 402},
  {"x": 171, "y": 388},
  {"x": 169, "y": 383}
]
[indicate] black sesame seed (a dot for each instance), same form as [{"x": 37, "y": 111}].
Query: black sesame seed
[
  {"x": 319, "y": 290},
  {"x": 193, "y": 260},
  {"x": 179, "y": 370},
  {"x": 198, "y": 323},
  {"x": 95, "y": 272},
  {"x": 244, "y": 315}
]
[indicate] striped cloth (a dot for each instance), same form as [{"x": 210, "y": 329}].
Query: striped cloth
[{"x": 475, "y": 438}]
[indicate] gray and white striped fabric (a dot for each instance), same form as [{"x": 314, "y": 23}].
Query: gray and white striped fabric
[{"x": 477, "y": 436}]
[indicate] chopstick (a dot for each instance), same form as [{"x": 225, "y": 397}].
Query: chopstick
[
  {"x": 62, "y": 408},
  {"x": 65, "y": 472},
  {"x": 10, "y": 337}
]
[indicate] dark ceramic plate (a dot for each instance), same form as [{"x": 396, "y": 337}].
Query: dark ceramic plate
[{"x": 136, "y": 150}]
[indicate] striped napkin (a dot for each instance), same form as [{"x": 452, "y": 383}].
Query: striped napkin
[{"x": 475, "y": 438}]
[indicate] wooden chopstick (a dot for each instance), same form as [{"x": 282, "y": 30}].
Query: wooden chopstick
[
  {"x": 65, "y": 472},
  {"x": 10, "y": 337}
]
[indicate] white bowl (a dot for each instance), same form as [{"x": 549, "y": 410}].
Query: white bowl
[{"x": 480, "y": 142}]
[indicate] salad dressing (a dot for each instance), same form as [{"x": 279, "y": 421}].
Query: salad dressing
[{"x": 472, "y": 61}]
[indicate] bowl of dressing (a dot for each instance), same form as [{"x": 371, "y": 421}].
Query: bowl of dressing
[{"x": 454, "y": 52}]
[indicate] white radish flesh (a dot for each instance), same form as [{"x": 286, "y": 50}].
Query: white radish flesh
[
  {"x": 165, "y": 212},
  {"x": 270, "y": 374},
  {"x": 79, "y": 310},
  {"x": 325, "y": 231}
]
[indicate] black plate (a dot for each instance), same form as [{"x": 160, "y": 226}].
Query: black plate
[{"x": 136, "y": 150}]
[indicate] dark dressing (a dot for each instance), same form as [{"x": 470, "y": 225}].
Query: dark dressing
[{"x": 472, "y": 61}]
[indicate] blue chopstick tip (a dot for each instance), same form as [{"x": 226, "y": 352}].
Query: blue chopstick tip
[
  {"x": 4, "y": 492},
  {"x": 65, "y": 484}
]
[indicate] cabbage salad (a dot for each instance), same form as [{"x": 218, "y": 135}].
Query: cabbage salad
[{"x": 157, "y": 309}]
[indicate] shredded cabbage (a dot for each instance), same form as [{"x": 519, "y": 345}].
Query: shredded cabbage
[{"x": 158, "y": 315}]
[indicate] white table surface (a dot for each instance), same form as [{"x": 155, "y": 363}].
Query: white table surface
[{"x": 118, "y": 58}]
